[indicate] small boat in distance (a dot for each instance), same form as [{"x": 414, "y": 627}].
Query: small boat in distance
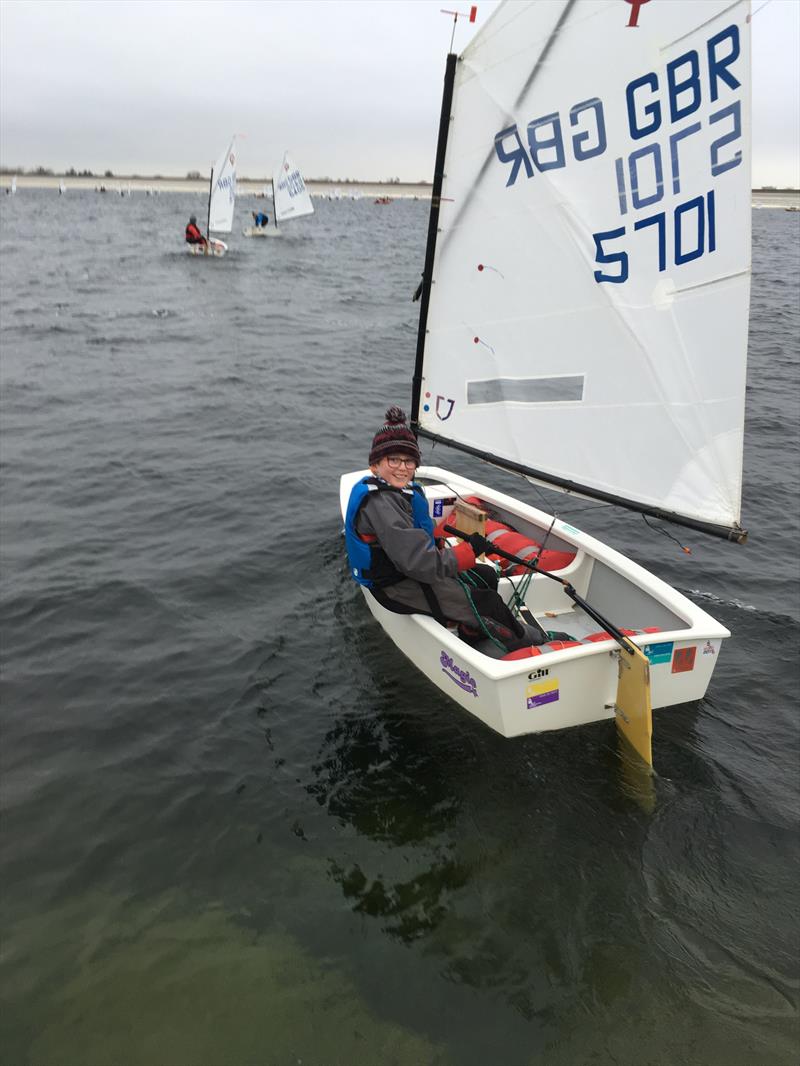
[
  {"x": 290, "y": 199},
  {"x": 384, "y": 200},
  {"x": 221, "y": 203}
]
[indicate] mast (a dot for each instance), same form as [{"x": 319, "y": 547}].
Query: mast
[
  {"x": 210, "y": 192},
  {"x": 274, "y": 204},
  {"x": 433, "y": 224}
]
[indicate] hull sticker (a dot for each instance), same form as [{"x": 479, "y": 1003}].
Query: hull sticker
[
  {"x": 659, "y": 653},
  {"x": 463, "y": 678},
  {"x": 541, "y": 692},
  {"x": 683, "y": 660}
]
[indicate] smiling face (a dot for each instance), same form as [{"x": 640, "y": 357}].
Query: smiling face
[{"x": 396, "y": 469}]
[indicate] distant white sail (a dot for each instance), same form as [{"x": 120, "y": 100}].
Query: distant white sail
[
  {"x": 14, "y": 185},
  {"x": 291, "y": 195},
  {"x": 61, "y": 188},
  {"x": 589, "y": 308},
  {"x": 222, "y": 197}
]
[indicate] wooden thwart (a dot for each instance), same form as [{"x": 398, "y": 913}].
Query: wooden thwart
[{"x": 468, "y": 518}]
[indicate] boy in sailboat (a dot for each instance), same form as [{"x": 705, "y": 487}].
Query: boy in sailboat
[
  {"x": 392, "y": 551},
  {"x": 193, "y": 234}
]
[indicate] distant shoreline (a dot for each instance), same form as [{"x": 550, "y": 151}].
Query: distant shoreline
[
  {"x": 404, "y": 190},
  {"x": 245, "y": 186}
]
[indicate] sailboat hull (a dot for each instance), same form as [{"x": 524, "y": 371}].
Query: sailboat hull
[
  {"x": 261, "y": 231},
  {"x": 214, "y": 247},
  {"x": 560, "y": 686}
]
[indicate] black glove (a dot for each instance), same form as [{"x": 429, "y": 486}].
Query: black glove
[{"x": 479, "y": 544}]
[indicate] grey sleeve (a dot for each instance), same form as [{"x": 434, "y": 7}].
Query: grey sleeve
[{"x": 388, "y": 517}]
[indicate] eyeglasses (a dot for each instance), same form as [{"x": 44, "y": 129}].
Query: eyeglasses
[{"x": 397, "y": 460}]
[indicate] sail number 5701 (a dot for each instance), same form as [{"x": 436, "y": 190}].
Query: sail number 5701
[{"x": 682, "y": 236}]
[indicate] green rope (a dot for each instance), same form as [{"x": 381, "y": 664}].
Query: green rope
[
  {"x": 461, "y": 578},
  {"x": 474, "y": 579},
  {"x": 518, "y": 593}
]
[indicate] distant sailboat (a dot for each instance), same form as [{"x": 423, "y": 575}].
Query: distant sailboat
[
  {"x": 221, "y": 203},
  {"x": 14, "y": 185},
  {"x": 61, "y": 188},
  {"x": 290, "y": 199}
]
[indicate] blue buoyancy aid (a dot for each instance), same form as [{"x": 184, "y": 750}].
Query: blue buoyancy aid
[{"x": 369, "y": 564}]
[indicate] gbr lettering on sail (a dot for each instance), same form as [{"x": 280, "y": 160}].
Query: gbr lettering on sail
[{"x": 695, "y": 102}]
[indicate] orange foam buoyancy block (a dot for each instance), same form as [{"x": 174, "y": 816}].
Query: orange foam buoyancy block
[
  {"x": 515, "y": 544},
  {"x": 524, "y": 548},
  {"x": 521, "y": 653},
  {"x": 561, "y": 645}
]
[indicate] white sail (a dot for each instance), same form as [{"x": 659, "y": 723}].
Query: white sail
[
  {"x": 14, "y": 185},
  {"x": 222, "y": 196},
  {"x": 291, "y": 195},
  {"x": 589, "y": 307}
]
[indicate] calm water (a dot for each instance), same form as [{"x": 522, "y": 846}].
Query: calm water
[{"x": 237, "y": 827}]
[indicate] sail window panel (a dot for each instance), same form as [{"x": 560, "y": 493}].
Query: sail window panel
[{"x": 564, "y": 388}]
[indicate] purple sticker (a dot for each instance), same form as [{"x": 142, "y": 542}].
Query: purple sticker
[
  {"x": 463, "y": 678},
  {"x": 545, "y": 697},
  {"x": 438, "y": 508}
]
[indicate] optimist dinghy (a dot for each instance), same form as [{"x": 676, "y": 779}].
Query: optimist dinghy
[
  {"x": 583, "y": 323},
  {"x": 221, "y": 203},
  {"x": 290, "y": 199}
]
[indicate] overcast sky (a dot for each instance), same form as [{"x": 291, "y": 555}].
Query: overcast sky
[{"x": 351, "y": 87}]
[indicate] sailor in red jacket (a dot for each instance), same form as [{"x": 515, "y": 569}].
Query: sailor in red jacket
[{"x": 193, "y": 234}]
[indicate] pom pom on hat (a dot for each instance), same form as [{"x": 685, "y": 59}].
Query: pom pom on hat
[{"x": 394, "y": 438}]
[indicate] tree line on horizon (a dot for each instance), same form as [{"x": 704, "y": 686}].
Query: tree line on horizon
[
  {"x": 192, "y": 175},
  {"x": 195, "y": 175}
]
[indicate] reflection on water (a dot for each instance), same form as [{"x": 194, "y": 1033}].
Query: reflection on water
[
  {"x": 163, "y": 987},
  {"x": 546, "y": 873},
  {"x": 409, "y": 909}
]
